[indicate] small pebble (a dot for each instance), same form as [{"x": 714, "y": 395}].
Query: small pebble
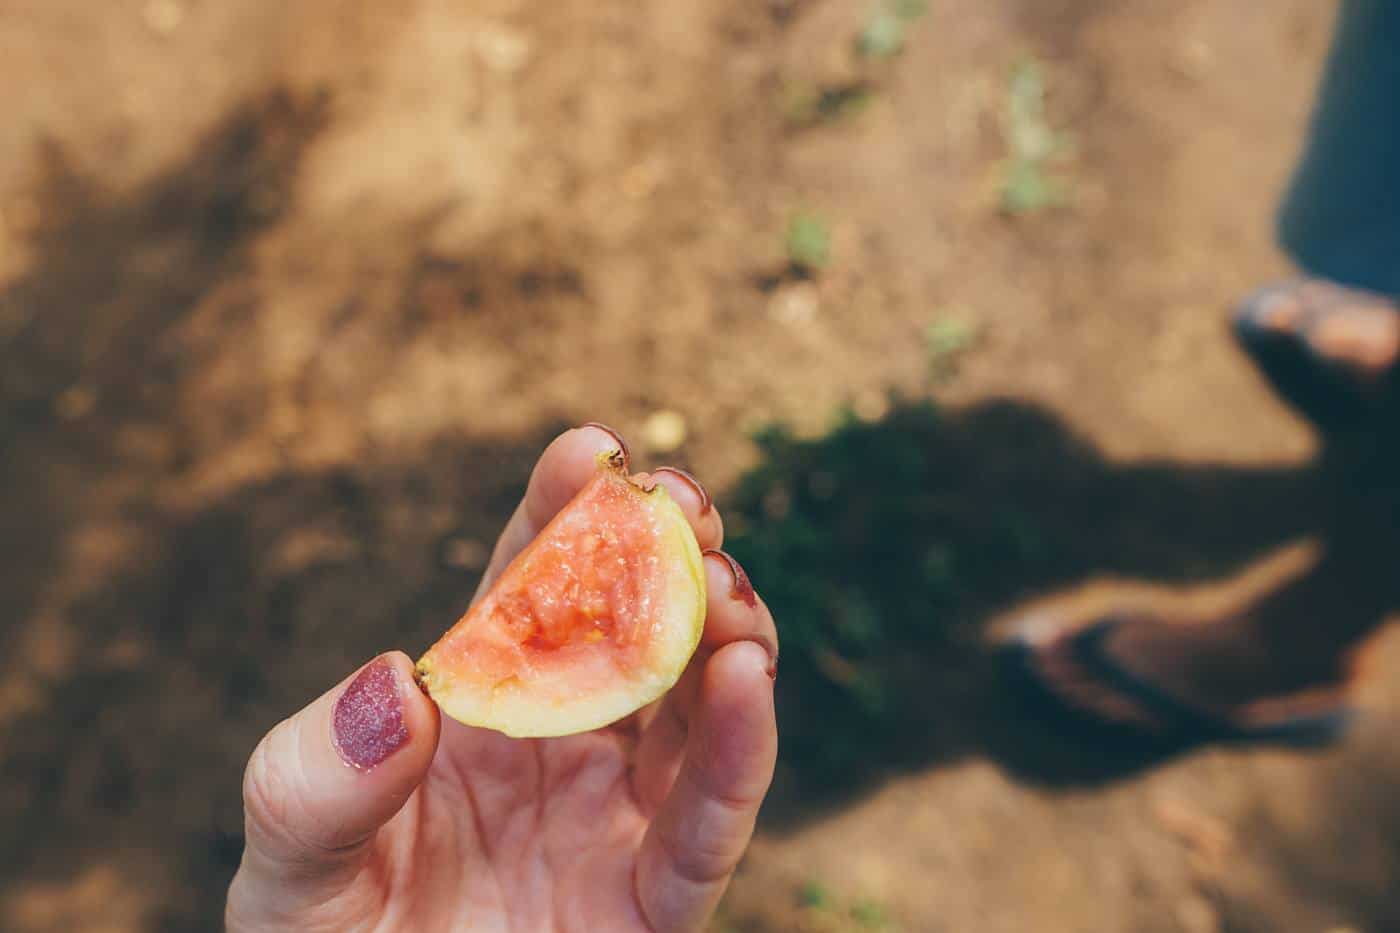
[
  {"x": 163, "y": 16},
  {"x": 74, "y": 403},
  {"x": 795, "y": 303},
  {"x": 504, "y": 50},
  {"x": 664, "y": 431},
  {"x": 641, "y": 180},
  {"x": 465, "y": 554}
]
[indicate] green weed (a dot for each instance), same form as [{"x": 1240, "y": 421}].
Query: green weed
[
  {"x": 945, "y": 342},
  {"x": 827, "y": 911},
  {"x": 807, "y": 242},
  {"x": 1030, "y": 181},
  {"x": 881, "y": 37},
  {"x": 869, "y": 915},
  {"x": 814, "y": 895},
  {"x": 883, "y": 34},
  {"x": 804, "y": 104}
]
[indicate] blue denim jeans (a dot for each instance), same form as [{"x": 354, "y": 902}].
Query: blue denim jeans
[{"x": 1341, "y": 217}]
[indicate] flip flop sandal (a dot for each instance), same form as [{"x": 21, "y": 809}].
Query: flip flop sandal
[
  {"x": 1326, "y": 392},
  {"x": 1181, "y": 726}
]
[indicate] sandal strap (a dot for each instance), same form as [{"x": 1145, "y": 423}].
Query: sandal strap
[
  {"x": 1088, "y": 648},
  {"x": 1187, "y": 724}
]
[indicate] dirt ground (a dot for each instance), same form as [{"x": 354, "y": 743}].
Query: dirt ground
[{"x": 292, "y": 293}]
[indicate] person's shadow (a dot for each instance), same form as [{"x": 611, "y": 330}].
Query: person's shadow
[{"x": 884, "y": 548}]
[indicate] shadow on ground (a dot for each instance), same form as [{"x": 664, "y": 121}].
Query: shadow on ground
[
  {"x": 881, "y": 547},
  {"x": 885, "y": 547},
  {"x": 89, "y": 334},
  {"x": 225, "y": 620}
]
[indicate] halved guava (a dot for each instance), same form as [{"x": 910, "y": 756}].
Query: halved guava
[{"x": 596, "y": 618}]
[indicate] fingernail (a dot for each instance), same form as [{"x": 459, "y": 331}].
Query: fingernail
[
  {"x": 742, "y": 588},
  {"x": 770, "y": 649},
  {"x": 368, "y": 720},
  {"x": 772, "y": 669},
  {"x": 705, "y": 502},
  {"x": 617, "y": 438}
]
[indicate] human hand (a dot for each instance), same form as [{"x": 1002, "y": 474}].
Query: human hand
[{"x": 367, "y": 811}]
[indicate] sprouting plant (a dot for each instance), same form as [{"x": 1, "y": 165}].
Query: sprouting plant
[
  {"x": 825, "y": 910},
  {"x": 805, "y": 104},
  {"x": 1033, "y": 147},
  {"x": 814, "y": 895},
  {"x": 945, "y": 341},
  {"x": 807, "y": 242},
  {"x": 882, "y": 35},
  {"x": 869, "y": 915}
]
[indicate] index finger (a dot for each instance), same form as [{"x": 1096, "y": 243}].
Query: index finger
[{"x": 564, "y": 468}]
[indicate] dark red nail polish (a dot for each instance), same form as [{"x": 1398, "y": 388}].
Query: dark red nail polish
[
  {"x": 368, "y": 720},
  {"x": 742, "y": 588},
  {"x": 705, "y": 502},
  {"x": 621, "y": 444}
]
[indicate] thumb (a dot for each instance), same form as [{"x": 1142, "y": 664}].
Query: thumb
[{"x": 322, "y": 782}]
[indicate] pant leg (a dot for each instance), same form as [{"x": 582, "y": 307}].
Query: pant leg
[{"x": 1341, "y": 217}]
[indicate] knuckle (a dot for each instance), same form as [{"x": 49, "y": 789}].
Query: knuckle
[
  {"x": 698, "y": 862},
  {"x": 266, "y": 792},
  {"x": 281, "y": 817}
]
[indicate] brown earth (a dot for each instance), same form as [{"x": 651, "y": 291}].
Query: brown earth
[{"x": 292, "y": 293}]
